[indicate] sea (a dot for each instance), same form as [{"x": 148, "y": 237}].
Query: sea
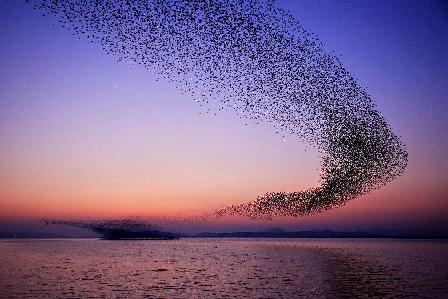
[{"x": 223, "y": 268}]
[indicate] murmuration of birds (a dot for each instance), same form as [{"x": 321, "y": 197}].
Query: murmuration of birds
[
  {"x": 254, "y": 58},
  {"x": 119, "y": 229}
]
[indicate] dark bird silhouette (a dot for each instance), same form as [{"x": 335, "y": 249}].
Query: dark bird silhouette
[{"x": 254, "y": 58}]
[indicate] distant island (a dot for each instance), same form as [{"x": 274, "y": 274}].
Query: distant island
[
  {"x": 132, "y": 231},
  {"x": 281, "y": 233}
]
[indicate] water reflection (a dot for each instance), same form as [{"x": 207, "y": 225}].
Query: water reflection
[{"x": 230, "y": 268}]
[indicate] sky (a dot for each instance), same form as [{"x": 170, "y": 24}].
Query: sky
[{"x": 83, "y": 136}]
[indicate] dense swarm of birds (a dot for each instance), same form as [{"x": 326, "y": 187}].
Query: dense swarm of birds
[
  {"x": 118, "y": 229},
  {"x": 255, "y": 58}
]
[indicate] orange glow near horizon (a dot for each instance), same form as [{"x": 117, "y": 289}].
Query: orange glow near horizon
[{"x": 83, "y": 136}]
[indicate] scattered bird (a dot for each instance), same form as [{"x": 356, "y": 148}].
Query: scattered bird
[{"x": 256, "y": 59}]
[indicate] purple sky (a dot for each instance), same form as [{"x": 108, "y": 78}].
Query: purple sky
[{"x": 82, "y": 135}]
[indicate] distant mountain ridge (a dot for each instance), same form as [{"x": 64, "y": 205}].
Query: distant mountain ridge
[
  {"x": 280, "y": 233},
  {"x": 270, "y": 233}
]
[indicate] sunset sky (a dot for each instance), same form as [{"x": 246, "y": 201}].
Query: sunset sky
[{"x": 83, "y": 136}]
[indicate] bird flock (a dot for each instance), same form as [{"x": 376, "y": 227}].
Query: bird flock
[
  {"x": 254, "y": 58},
  {"x": 118, "y": 229}
]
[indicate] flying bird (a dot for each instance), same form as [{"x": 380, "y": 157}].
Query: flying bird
[{"x": 255, "y": 59}]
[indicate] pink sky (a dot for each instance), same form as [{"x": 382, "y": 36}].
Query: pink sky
[{"x": 83, "y": 136}]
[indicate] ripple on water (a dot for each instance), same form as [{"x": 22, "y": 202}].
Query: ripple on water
[{"x": 223, "y": 268}]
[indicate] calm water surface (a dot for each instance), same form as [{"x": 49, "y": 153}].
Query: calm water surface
[{"x": 224, "y": 268}]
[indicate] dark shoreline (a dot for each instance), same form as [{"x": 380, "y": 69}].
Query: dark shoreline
[
  {"x": 318, "y": 234},
  {"x": 246, "y": 235}
]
